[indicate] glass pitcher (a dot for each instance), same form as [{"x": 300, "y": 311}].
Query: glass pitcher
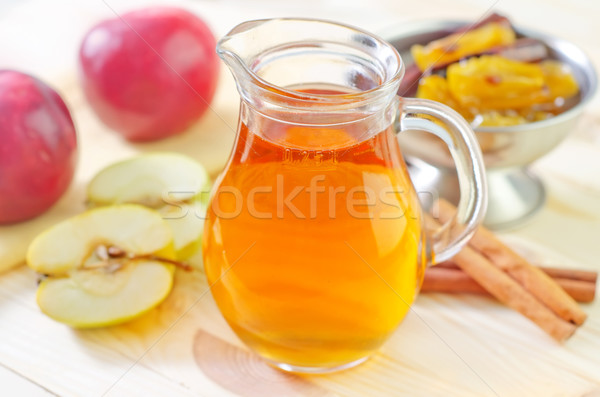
[{"x": 314, "y": 243}]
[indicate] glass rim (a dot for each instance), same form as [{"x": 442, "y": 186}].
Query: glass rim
[{"x": 313, "y": 98}]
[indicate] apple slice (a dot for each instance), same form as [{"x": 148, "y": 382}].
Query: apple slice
[
  {"x": 170, "y": 183},
  {"x": 103, "y": 267},
  {"x": 187, "y": 223}
]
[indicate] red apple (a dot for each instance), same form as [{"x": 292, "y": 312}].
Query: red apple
[
  {"x": 151, "y": 73},
  {"x": 38, "y": 147}
]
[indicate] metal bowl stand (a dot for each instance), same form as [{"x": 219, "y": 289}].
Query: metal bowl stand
[{"x": 515, "y": 194}]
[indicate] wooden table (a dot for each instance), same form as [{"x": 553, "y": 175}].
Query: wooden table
[{"x": 447, "y": 346}]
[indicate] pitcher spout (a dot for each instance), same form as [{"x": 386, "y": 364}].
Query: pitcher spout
[
  {"x": 236, "y": 48},
  {"x": 307, "y": 63}
]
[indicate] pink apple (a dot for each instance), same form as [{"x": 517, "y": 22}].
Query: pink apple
[
  {"x": 38, "y": 147},
  {"x": 151, "y": 73}
]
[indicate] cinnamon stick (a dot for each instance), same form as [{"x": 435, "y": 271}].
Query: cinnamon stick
[
  {"x": 451, "y": 279},
  {"x": 554, "y": 272},
  {"x": 580, "y": 291},
  {"x": 492, "y": 18},
  {"x": 534, "y": 280},
  {"x": 572, "y": 274},
  {"x": 508, "y": 291}
]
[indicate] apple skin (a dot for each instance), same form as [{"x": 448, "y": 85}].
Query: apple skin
[
  {"x": 38, "y": 147},
  {"x": 151, "y": 73}
]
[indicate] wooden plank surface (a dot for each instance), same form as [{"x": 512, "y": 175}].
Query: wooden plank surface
[
  {"x": 16, "y": 384},
  {"x": 447, "y": 346}
]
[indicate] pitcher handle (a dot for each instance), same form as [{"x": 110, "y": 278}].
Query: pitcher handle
[{"x": 464, "y": 148}]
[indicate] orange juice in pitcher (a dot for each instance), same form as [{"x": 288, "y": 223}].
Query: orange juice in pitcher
[{"x": 314, "y": 243}]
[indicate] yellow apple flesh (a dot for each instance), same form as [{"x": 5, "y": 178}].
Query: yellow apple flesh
[
  {"x": 171, "y": 183},
  {"x": 83, "y": 287}
]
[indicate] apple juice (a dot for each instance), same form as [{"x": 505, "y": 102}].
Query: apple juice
[{"x": 311, "y": 244}]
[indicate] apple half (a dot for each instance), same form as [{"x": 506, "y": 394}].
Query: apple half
[
  {"x": 171, "y": 183},
  {"x": 103, "y": 267}
]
